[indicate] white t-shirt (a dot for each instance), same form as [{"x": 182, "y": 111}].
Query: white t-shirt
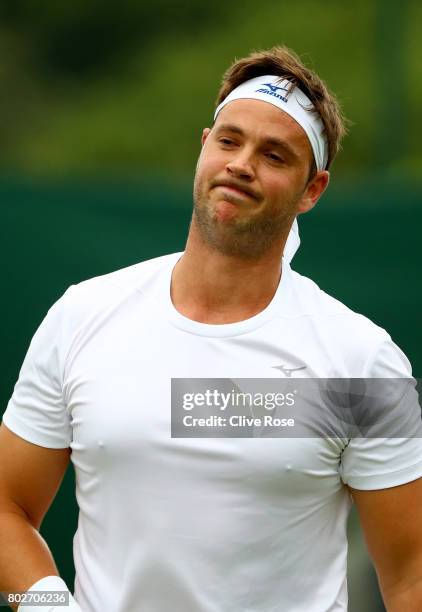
[{"x": 202, "y": 525}]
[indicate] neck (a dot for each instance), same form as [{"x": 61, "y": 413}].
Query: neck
[{"x": 211, "y": 287}]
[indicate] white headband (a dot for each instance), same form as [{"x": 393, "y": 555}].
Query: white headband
[{"x": 272, "y": 89}]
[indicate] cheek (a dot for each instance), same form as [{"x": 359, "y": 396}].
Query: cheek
[
  {"x": 203, "y": 175},
  {"x": 275, "y": 189},
  {"x": 281, "y": 187},
  {"x": 209, "y": 167}
]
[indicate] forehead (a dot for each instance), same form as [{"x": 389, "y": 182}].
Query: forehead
[{"x": 264, "y": 121}]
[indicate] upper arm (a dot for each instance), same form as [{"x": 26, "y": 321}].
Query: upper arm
[
  {"x": 30, "y": 475},
  {"x": 392, "y": 523}
]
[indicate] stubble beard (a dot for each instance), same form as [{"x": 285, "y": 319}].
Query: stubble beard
[{"x": 241, "y": 238}]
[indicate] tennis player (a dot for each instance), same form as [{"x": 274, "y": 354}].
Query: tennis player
[{"x": 213, "y": 523}]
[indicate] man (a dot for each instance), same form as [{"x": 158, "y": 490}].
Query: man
[{"x": 212, "y": 524}]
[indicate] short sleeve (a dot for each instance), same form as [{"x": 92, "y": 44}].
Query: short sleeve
[
  {"x": 379, "y": 463},
  {"x": 36, "y": 411}
]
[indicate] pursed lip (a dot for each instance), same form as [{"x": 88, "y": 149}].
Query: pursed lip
[{"x": 237, "y": 189}]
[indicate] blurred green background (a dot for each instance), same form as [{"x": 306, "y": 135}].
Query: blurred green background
[
  {"x": 124, "y": 88},
  {"x": 102, "y": 109}
]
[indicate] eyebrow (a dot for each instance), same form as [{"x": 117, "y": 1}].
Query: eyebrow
[{"x": 271, "y": 140}]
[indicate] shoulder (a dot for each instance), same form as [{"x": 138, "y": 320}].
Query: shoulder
[
  {"x": 311, "y": 301},
  {"x": 131, "y": 278},
  {"x": 96, "y": 298},
  {"x": 118, "y": 285},
  {"x": 364, "y": 345}
]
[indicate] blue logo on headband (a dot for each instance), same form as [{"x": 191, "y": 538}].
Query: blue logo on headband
[
  {"x": 273, "y": 87},
  {"x": 272, "y": 91}
]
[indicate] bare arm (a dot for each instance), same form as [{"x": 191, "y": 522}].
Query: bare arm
[
  {"x": 30, "y": 476},
  {"x": 392, "y": 524}
]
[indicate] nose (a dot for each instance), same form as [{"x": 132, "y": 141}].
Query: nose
[{"x": 241, "y": 166}]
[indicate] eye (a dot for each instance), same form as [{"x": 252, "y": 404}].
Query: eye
[
  {"x": 227, "y": 142},
  {"x": 274, "y": 157}
]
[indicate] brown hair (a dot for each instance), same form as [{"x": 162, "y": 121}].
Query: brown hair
[{"x": 283, "y": 62}]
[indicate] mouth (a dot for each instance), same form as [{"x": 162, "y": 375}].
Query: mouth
[{"x": 236, "y": 190}]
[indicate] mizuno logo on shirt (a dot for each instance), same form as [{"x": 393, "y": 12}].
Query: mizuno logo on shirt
[{"x": 288, "y": 371}]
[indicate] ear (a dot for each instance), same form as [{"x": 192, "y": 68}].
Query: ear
[
  {"x": 204, "y": 136},
  {"x": 314, "y": 190}
]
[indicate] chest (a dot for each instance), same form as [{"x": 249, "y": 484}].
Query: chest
[{"x": 118, "y": 392}]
